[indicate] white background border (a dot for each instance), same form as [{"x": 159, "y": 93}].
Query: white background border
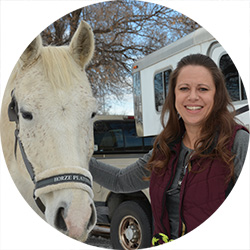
[{"x": 21, "y": 21}]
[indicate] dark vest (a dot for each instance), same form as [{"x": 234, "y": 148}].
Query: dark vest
[{"x": 203, "y": 190}]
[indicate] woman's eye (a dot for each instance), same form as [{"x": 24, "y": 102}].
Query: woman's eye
[
  {"x": 184, "y": 89},
  {"x": 27, "y": 115},
  {"x": 203, "y": 89}
]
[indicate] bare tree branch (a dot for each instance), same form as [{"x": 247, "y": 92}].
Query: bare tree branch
[{"x": 125, "y": 30}]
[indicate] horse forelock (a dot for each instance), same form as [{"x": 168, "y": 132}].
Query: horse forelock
[{"x": 59, "y": 66}]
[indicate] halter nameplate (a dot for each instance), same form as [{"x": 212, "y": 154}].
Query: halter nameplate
[
  {"x": 63, "y": 178},
  {"x": 55, "y": 183}
]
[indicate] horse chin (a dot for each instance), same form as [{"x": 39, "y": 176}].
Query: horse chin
[{"x": 74, "y": 216}]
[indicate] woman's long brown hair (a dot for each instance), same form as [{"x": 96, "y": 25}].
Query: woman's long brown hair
[{"x": 219, "y": 122}]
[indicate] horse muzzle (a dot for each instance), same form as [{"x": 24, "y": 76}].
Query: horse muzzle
[
  {"x": 75, "y": 214},
  {"x": 68, "y": 200}
]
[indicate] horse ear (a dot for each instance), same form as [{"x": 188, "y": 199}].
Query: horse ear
[
  {"x": 32, "y": 51},
  {"x": 82, "y": 44}
]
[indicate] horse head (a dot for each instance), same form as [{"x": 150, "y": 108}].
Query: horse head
[{"x": 52, "y": 110}]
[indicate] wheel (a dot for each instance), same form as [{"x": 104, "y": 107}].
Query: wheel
[{"x": 131, "y": 226}]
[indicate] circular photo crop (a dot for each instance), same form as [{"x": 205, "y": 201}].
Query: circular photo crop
[{"x": 125, "y": 124}]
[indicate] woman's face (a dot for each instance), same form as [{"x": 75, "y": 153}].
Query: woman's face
[{"x": 194, "y": 94}]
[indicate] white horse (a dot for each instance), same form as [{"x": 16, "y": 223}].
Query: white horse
[{"x": 51, "y": 110}]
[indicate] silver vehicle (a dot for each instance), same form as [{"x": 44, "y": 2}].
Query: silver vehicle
[{"x": 128, "y": 216}]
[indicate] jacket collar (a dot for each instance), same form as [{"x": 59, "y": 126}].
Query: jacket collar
[{"x": 176, "y": 144}]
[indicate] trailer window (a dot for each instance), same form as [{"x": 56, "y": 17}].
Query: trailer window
[
  {"x": 233, "y": 81},
  {"x": 161, "y": 80}
]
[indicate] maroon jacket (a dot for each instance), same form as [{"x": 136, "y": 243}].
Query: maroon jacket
[{"x": 203, "y": 190}]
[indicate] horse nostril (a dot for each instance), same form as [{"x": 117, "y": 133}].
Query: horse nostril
[{"x": 59, "y": 221}]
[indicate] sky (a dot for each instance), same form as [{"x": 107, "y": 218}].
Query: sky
[{"x": 122, "y": 107}]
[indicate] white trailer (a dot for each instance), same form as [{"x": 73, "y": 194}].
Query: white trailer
[{"x": 151, "y": 75}]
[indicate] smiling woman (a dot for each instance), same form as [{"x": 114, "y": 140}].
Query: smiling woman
[
  {"x": 196, "y": 153},
  {"x": 195, "y": 160}
]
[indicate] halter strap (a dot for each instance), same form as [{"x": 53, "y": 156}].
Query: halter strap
[{"x": 27, "y": 163}]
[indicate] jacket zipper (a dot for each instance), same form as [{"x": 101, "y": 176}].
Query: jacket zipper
[
  {"x": 165, "y": 193},
  {"x": 183, "y": 225}
]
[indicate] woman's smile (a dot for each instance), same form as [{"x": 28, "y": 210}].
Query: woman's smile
[{"x": 193, "y": 108}]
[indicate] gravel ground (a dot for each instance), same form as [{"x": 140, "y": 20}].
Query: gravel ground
[{"x": 99, "y": 241}]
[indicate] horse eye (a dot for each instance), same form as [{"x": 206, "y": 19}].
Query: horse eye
[
  {"x": 93, "y": 115},
  {"x": 27, "y": 115}
]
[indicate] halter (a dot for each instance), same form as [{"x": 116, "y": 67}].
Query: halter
[{"x": 52, "y": 179}]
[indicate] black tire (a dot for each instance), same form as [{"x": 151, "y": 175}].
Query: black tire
[{"x": 131, "y": 226}]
